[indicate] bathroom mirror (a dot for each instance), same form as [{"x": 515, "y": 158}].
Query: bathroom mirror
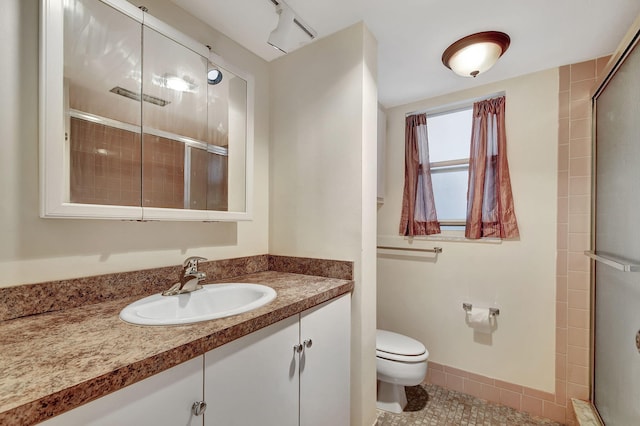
[{"x": 138, "y": 121}]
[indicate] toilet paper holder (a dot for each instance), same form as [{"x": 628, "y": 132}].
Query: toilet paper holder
[{"x": 492, "y": 311}]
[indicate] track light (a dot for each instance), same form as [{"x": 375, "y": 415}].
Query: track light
[
  {"x": 291, "y": 31},
  {"x": 280, "y": 37},
  {"x": 214, "y": 76}
]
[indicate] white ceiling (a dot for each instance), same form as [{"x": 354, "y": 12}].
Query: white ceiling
[{"x": 412, "y": 34}]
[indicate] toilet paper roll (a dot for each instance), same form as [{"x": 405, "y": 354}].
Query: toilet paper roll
[{"x": 480, "y": 320}]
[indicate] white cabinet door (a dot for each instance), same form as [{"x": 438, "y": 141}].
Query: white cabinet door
[
  {"x": 163, "y": 399},
  {"x": 254, "y": 380},
  {"x": 324, "y": 364}
]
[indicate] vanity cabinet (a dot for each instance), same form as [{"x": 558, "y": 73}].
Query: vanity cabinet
[
  {"x": 254, "y": 380},
  {"x": 163, "y": 399},
  {"x": 325, "y": 365},
  {"x": 294, "y": 372}
]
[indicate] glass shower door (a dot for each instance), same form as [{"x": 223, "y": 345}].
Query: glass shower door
[{"x": 617, "y": 243}]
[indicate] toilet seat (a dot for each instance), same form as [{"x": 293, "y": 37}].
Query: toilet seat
[{"x": 397, "y": 347}]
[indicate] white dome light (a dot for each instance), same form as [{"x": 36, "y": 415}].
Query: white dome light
[{"x": 475, "y": 54}]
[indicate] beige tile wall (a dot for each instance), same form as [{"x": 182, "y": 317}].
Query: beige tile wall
[
  {"x": 163, "y": 172},
  {"x": 105, "y": 164},
  {"x": 577, "y": 82},
  {"x": 106, "y": 168},
  {"x": 522, "y": 398},
  {"x": 209, "y": 181}
]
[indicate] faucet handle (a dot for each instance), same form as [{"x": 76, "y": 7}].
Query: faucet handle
[
  {"x": 191, "y": 263},
  {"x": 192, "y": 259}
]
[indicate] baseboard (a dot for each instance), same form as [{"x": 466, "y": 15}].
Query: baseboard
[{"x": 535, "y": 402}]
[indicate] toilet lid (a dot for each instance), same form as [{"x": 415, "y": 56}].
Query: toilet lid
[{"x": 398, "y": 344}]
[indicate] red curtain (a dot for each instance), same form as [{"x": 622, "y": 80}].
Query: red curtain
[
  {"x": 490, "y": 211},
  {"x": 418, "y": 207}
]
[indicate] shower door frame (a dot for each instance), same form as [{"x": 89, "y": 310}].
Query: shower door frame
[{"x": 626, "y": 46}]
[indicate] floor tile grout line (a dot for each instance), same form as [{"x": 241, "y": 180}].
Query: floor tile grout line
[{"x": 433, "y": 405}]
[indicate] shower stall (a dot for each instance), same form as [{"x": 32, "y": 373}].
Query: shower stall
[{"x": 616, "y": 242}]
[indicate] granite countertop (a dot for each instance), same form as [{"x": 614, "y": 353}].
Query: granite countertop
[{"x": 53, "y": 362}]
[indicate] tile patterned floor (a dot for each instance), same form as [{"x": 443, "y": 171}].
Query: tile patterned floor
[{"x": 431, "y": 405}]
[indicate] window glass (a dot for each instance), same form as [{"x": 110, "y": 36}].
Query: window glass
[
  {"x": 449, "y": 136},
  {"x": 450, "y": 193}
]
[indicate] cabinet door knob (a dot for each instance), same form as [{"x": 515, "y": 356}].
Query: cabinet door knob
[
  {"x": 298, "y": 348},
  {"x": 307, "y": 343},
  {"x": 198, "y": 408}
]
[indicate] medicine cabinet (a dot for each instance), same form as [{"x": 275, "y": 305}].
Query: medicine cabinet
[{"x": 137, "y": 120}]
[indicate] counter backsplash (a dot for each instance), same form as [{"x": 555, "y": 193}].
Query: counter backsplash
[{"x": 31, "y": 299}]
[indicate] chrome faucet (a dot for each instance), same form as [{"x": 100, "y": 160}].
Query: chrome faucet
[{"x": 190, "y": 277}]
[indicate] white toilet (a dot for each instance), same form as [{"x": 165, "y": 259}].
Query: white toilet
[{"x": 400, "y": 361}]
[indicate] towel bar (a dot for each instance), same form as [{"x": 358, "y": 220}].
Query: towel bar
[
  {"x": 424, "y": 250},
  {"x": 614, "y": 263}
]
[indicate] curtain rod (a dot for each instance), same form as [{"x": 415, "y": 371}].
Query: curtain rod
[{"x": 455, "y": 106}]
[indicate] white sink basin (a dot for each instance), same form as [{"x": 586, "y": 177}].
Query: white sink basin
[{"x": 211, "y": 302}]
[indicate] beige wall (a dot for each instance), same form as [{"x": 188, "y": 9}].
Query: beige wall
[
  {"x": 34, "y": 249},
  {"x": 322, "y": 162},
  {"x": 324, "y": 155},
  {"x": 423, "y": 298}
]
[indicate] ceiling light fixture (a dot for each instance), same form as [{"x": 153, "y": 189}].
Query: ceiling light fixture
[
  {"x": 476, "y": 53},
  {"x": 284, "y": 37},
  {"x": 173, "y": 82}
]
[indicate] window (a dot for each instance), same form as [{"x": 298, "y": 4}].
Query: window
[
  {"x": 435, "y": 192},
  {"x": 449, "y": 135}
]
